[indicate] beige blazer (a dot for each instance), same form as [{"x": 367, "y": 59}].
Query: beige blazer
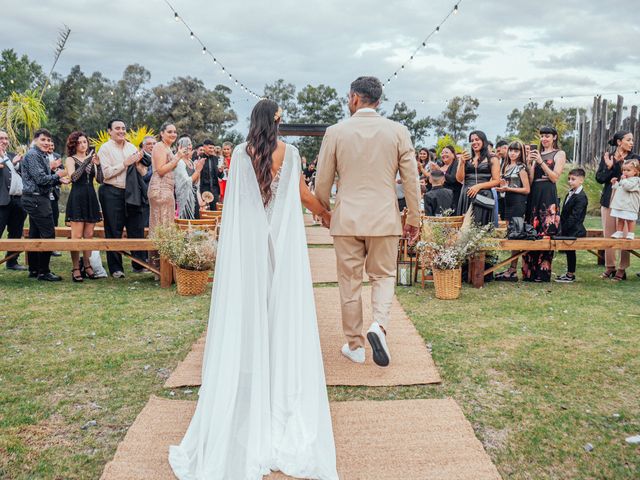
[{"x": 366, "y": 152}]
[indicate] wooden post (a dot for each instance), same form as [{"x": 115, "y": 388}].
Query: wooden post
[
  {"x": 166, "y": 273},
  {"x": 476, "y": 269}
]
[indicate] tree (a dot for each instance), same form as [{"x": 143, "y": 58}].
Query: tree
[
  {"x": 407, "y": 117},
  {"x": 194, "y": 110},
  {"x": 67, "y": 108},
  {"x": 458, "y": 118},
  {"x": 131, "y": 94},
  {"x": 18, "y": 74},
  {"x": 284, "y": 94},
  {"x": 317, "y": 105}
]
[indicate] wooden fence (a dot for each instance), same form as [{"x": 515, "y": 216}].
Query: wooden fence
[{"x": 595, "y": 129}]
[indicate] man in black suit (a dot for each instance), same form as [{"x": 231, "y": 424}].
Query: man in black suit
[
  {"x": 574, "y": 210},
  {"x": 12, "y": 215},
  {"x": 211, "y": 172}
]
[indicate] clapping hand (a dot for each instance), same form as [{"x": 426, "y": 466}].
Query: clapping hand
[
  {"x": 199, "y": 165},
  {"x": 608, "y": 160},
  {"x": 55, "y": 164}
]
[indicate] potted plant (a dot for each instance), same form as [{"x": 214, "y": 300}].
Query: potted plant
[
  {"x": 444, "y": 248},
  {"x": 192, "y": 252}
]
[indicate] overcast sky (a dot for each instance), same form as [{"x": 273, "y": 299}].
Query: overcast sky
[{"x": 492, "y": 49}]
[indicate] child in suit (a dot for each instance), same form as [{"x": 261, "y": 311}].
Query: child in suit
[
  {"x": 438, "y": 199},
  {"x": 574, "y": 209}
]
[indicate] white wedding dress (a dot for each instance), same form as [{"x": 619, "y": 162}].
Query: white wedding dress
[{"x": 263, "y": 402}]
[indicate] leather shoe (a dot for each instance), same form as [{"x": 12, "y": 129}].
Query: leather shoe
[
  {"x": 17, "y": 267},
  {"x": 49, "y": 277},
  {"x": 33, "y": 274}
]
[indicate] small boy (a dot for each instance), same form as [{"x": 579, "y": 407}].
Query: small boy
[
  {"x": 438, "y": 199},
  {"x": 574, "y": 209}
]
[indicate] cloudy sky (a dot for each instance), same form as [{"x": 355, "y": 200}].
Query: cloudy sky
[{"x": 501, "y": 51}]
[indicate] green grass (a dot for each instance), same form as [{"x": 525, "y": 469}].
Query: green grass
[{"x": 539, "y": 370}]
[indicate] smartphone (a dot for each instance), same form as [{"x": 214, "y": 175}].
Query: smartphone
[{"x": 533, "y": 146}]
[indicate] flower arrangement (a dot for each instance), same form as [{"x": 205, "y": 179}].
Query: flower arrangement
[
  {"x": 444, "y": 247},
  {"x": 189, "y": 249}
]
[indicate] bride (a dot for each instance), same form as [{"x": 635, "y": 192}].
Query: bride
[{"x": 263, "y": 403}]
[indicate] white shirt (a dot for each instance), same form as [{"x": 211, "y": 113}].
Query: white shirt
[
  {"x": 112, "y": 158},
  {"x": 16, "y": 179},
  {"x": 368, "y": 110}
]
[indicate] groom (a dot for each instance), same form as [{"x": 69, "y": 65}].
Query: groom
[{"x": 366, "y": 152}]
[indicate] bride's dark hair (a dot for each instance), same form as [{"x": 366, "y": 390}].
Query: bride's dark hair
[{"x": 262, "y": 141}]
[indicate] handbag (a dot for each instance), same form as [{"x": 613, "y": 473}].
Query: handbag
[
  {"x": 484, "y": 198},
  {"x": 518, "y": 229}
]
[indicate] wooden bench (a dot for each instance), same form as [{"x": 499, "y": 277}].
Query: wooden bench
[
  {"x": 65, "y": 232},
  {"x": 124, "y": 246},
  {"x": 477, "y": 270}
]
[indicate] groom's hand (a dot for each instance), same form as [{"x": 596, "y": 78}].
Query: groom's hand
[
  {"x": 411, "y": 232},
  {"x": 326, "y": 219}
]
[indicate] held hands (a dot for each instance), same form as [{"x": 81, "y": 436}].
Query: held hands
[
  {"x": 326, "y": 219},
  {"x": 411, "y": 232}
]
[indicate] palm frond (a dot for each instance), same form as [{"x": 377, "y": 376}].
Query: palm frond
[
  {"x": 136, "y": 135},
  {"x": 22, "y": 113},
  {"x": 103, "y": 137},
  {"x": 63, "y": 36}
]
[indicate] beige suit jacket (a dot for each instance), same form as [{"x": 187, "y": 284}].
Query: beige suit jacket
[{"x": 366, "y": 152}]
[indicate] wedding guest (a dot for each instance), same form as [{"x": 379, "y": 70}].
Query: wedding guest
[
  {"x": 609, "y": 171},
  {"x": 227, "y": 149},
  {"x": 56, "y": 164},
  {"x": 12, "y": 215},
  {"x": 502, "y": 148},
  {"x": 309, "y": 172},
  {"x": 479, "y": 172},
  {"x": 450, "y": 167},
  {"x": 439, "y": 199},
  {"x": 120, "y": 212},
  {"x": 625, "y": 205},
  {"x": 146, "y": 146},
  {"x": 211, "y": 173},
  {"x": 546, "y": 165},
  {"x": 217, "y": 151},
  {"x": 83, "y": 209},
  {"x": 574, "y": 211},
  {"x": 515, "y": 186},
  {"x": 187, "y": 181},
  {"x": 37, "y": 182},
  {"x": 161, "y": 188}
]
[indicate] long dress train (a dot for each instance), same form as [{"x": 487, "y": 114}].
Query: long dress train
[{"x": 263, "y": 402}]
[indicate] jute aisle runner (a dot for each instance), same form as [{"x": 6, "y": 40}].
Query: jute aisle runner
[
  {"x": 411, "y": 363},
  {"x": 323, "y": 265},
  {"x": 318, "y": 236},
  {"x": 387, "y": 440}
]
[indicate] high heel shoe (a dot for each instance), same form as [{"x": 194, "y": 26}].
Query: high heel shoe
[
  {"x": 76, "y": 278},
  {"x": 90, "y": 276}
]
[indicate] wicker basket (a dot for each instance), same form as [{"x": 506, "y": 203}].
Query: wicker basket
[
  {"x": 191, "y": 282},
  {"x": 447, "y": 283}
]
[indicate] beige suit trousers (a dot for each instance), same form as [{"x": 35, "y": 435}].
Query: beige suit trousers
[{"x": 378, "y": 255}]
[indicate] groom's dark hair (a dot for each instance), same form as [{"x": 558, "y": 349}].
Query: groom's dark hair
[{"x": 369, "y": 88}]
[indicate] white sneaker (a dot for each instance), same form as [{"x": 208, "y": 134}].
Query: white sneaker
[
  {"x": 378, "y": 341},
  {"x": 631, "y": 236},
  {"x": 117, "y": 274},
  {"x": 356, "y": 356},
  {"x": 617, "y": 234}
]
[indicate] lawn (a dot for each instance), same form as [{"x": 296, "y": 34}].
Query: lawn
[{"x": 540, "y": 370}]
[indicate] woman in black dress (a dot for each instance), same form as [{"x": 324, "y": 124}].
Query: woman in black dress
[
  {"x": 478, "y": 172},
  {"x": 543, "y": 212},
  {"x": 611, "y": 167},
  {"x": 514, "y": 183},
  {"x": 83, "y": 209},
  {"x": 449, "y": 168}
]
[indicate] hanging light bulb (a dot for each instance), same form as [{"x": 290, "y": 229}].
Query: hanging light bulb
[
  {"x": 204, "y": 50},
  {"x": 176, "y": 17},
  {"x": 192, "y": 35},
  {"x": 438, "y": 29},
  {"x": 455, "y": 9}
]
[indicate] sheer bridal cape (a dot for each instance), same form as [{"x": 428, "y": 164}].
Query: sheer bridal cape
[{"x": 263, "y": 402}]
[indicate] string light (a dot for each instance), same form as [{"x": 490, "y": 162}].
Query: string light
[
  {"x": 206, "y": 51},
  {"x": 424, "y": 42}
]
